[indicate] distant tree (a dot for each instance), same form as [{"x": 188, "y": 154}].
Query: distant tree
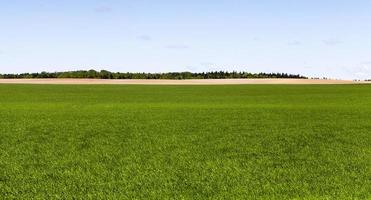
[{"x": 104, "y": 74}]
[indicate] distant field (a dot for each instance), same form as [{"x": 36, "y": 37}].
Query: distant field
[{"x": 185, "y": 142}]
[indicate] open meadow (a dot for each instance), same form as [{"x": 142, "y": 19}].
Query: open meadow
[{"x": 185, "y": 142}]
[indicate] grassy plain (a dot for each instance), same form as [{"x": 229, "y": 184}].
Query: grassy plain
[{"x": 185, "y": 142}]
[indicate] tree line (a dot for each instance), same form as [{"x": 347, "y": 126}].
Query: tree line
[{"x": 104, "y": 74}]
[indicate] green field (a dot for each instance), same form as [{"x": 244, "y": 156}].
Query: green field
[{"x": 185, "y": 142}]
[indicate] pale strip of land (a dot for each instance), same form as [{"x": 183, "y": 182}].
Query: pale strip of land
[{"x": 177, "y": 82}]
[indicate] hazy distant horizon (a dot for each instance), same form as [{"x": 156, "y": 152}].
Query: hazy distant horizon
[
  {"x": 164, "y": 72},
  {"x": 312, "y": 38},
  {"x": 221, "y": 69}
]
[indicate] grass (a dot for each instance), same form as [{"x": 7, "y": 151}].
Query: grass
[{"x": 185, "y": 142}]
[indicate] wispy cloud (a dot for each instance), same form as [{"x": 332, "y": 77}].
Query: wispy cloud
[
  {"x": 177, "y": 46},
  {"x": 255, "y": 38},
  {"x": 192, "y": 68},
  {"x": 144, "y": 37},
  {"x": 207, "y": 64},
  {"x": 332, "y": 42},
  {"x": 103, "y": 9},
  {"x": 366, "y": 63},
  {"x": 294, "y": 43},
  {"x": 361, "y": 71}
]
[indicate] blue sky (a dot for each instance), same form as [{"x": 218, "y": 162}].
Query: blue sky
[{"x": 329, "y": 38}]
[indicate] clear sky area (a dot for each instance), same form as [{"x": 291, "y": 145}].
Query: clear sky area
[{"x": 315, "y": 38}]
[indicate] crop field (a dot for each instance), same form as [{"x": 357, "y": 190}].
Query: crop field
[{"x": 185, "y": 142}]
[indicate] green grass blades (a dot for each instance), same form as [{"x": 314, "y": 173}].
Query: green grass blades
[{"x": 185, "y": 142}]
